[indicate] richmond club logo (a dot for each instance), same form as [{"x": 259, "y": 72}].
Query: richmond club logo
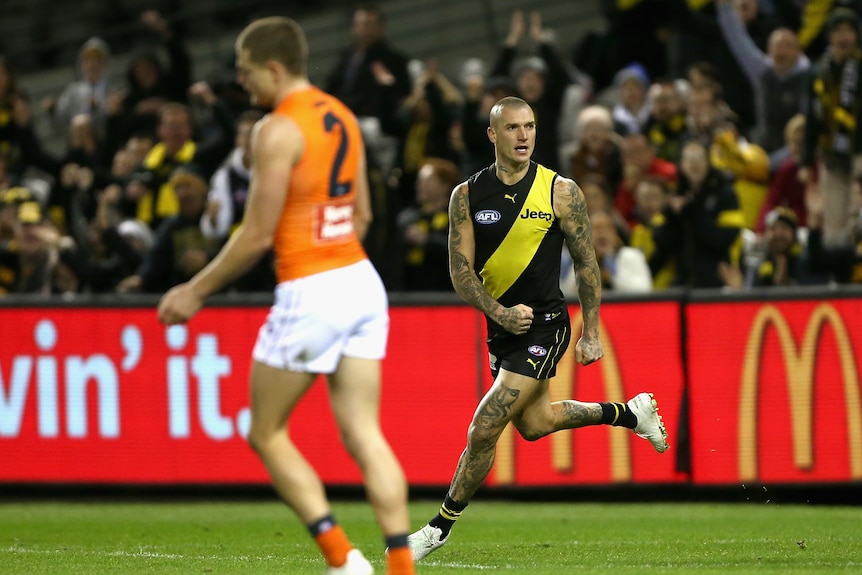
[{"x": 487, "y": 217}]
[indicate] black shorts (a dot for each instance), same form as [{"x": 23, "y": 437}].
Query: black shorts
[{"x": 535, "y": 353}]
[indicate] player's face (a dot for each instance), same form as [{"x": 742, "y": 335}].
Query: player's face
[
  {"x": 255, "y": 79},
  {"x": 513, "y": 133}
]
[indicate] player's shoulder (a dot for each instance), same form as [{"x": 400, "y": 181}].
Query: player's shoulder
[
  {"x": 275, "y": 132},
  {"x": 565, "y": 186},
  {"x": 273, "y": 125},
  {"x": 462, "y": 189}
]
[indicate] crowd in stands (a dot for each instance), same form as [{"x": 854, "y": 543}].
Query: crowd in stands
[{"x": 717, "y": 143}]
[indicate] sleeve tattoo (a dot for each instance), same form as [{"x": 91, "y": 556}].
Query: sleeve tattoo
[
  {"x": 578, "y": 233},
  {"x": 464, "y": 278}
]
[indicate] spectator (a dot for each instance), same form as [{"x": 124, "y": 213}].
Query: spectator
[
  {"x": 748, "y": 165},
  {"x": 623, "y": 269},
  {"x": 112, "y": 250},
  {"x": 149, "y": 196},
  {"x": 812, "y": 21},
  {"x": 426, "y": 121},
  {"x": 779, "y": 77},
  {"x": 698, "y": 38},
  {"x": 639, "y": 161},
  {"x": 705, "y": 113},
  {"x": 665, "y": 125},
  {"x": 833, "y": 132},
  {"x": 702, "y": 223},
  {"x": 597, "y": 150},
  {"x": 598, "y": 198},
  {"x": 27, "y": 260},
  {"x": 75, "y": 173},
  {"x": 784, "y": 263},
  {"x": 371, "y": 76},
  {"x": 90, "y": 93},
  {"x": 229, "y": 185},
  {"x": 652, "y": 195},
  {"x": 150, "y": 83},
  {"x": 785, "y": 189},
  {"x": 424, "y": 228},
  {"x": 180, "y": 249},
  {"x": 541, "y": 80},
  {"x": 632, "y": 111}
]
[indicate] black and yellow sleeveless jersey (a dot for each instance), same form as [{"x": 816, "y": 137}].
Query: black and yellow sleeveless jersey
[{"x": 518, "y": 238}]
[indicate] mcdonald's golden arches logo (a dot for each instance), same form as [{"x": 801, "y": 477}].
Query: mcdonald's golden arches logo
[{"x": 800, "y": 368}]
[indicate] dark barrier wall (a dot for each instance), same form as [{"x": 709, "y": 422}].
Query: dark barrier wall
[{"x": 763, "y": 390}]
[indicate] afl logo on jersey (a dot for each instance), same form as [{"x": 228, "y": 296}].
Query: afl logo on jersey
[
  {"x": 537, "y": 350},
  {"x": 487, "y": 217}
]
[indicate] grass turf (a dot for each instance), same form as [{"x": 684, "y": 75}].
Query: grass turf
[{"x": 507, "y": 537}]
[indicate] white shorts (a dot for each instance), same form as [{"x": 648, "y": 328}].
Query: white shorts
[{"x": 317, "y": 319}]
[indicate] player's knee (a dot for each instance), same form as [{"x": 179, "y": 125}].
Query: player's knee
[
  {"x": 254, "y": 441},
  {"x": 531, "y": 434},
  {"x": 531, "y": 431},
  {"x": 351, "y": 443},
  {"x": 357, "y": 440},
  {"x": 258, "y": 439}
]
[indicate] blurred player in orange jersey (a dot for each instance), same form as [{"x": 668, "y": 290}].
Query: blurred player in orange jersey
[{"x": 309, "y": 201}]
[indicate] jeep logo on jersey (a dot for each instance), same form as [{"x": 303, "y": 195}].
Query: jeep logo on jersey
[
  {"x": 529, "y": 214},
  {"x": 487, "y": 217},
  {"x": 537, "y": 350}
]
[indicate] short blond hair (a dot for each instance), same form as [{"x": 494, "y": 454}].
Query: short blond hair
[{"x": 275, "y": 38}]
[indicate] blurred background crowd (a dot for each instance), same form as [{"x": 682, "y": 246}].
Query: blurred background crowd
[{"x": 716, "y": 142}]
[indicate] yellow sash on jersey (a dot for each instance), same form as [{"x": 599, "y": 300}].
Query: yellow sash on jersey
[{"x": 520, "y": 245}]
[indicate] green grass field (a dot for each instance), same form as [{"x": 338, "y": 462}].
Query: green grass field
[{"x": 507, "y": 537}]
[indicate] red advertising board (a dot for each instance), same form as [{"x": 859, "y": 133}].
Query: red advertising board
[
  {"x": 774, "y": 390},
  {"x": 110, "y": 395},
  {"x": 101, "y": 395}
]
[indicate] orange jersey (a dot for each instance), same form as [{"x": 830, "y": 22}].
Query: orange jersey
[{"x": 315, "y": 232}]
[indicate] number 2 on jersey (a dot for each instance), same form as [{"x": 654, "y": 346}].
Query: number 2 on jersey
[{"x": 336, "y": 188}]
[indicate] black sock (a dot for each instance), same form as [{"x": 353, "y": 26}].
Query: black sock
[
  {"x": 396, "y": 541},
  {"x": 449, "y": 513},
  {"x": 618, "y": 415},
  {"x": 322, "y": 525}
]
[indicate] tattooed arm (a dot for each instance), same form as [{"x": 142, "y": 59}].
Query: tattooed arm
[
  {"x": 462, "y": 251},
  {"x": 571, "y": 211}
]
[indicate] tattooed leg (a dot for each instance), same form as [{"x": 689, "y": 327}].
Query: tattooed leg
[
  {"x": 541, "y": 417},
  {"x": 491, "y": 417},
  {"x": 571, "y": 414}
]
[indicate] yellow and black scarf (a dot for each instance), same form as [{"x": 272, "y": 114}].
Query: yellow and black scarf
[{"x": 837, "y": 104}]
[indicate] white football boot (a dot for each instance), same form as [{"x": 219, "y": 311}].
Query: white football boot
[
  {"x": 425, "y": 541},
  {"x": 650, "y": 425}
]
